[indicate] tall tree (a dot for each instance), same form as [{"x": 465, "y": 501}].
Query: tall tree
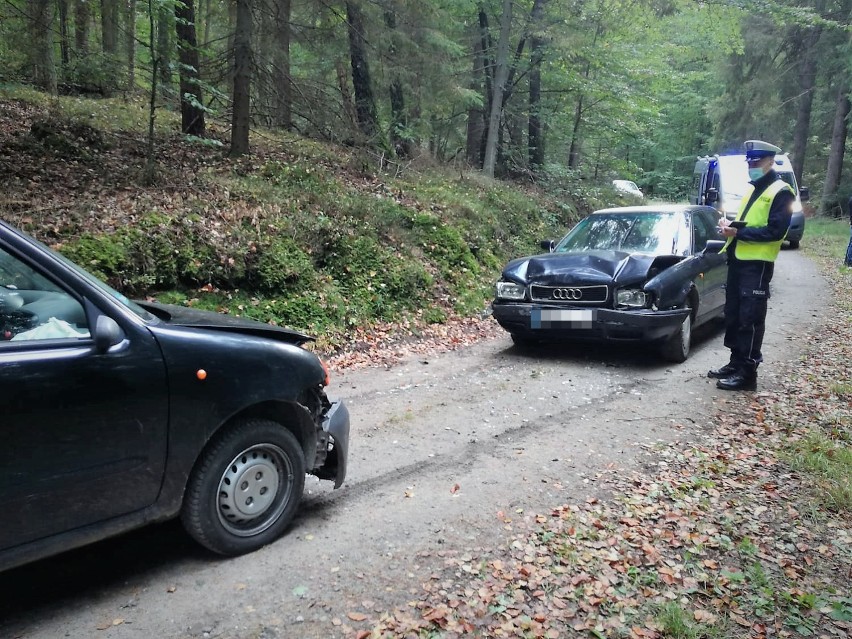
[
  {"x": 191, "y": 110},
  {"x": 241, "y": 114},
  {"x": 807, "y": 56},
  {"x": 43, "y": 66},
  {"x": 365, "y": 103},
  {"x": 130, "y": 43},
  {"x": 164, "y": 19},
  {"x": 281, "y": 65},
  {"x": 535, "y": 136},
  {"x": 500, "y": 76},
  {"x": 64, "y": 44},
  {"x": 839, "y": 134},
  {"x": 81, "y": 27},
  {"x": 474, "y": 142},
  {"x": 399, "y": 118},
  {"x": 109, "y": 26}
]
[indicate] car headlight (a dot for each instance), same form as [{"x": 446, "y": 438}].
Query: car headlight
[
  {"x": 510, "y": 291},
  {"x": 632, "y": 297}
]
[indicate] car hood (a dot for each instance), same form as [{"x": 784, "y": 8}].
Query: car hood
[
  {"x": 190, "y": 317},
  {"x": 587, "y": 267}
]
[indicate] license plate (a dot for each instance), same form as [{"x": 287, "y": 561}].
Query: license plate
[{"x": 561, "y": 318}]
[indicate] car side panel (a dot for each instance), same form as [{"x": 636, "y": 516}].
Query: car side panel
[{"x": 241, "y": 373}]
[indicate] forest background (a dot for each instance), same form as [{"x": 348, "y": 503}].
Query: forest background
[{"x": 333, "y": 164}]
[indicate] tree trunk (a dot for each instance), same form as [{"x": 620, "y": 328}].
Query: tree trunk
[
  {"x": 164, "y": 46},
  {"x": 488, "y": 74},
  {"x": 150, "y": 163},
  {"x": 281, "y": 57},
  {"x": 81, "y": 28},
  {"x": 501, "y": 74},
  {"x": 64, "y": 45},
  {"x": 191, "y": 111},
  {"x": 574, "y": 148},
  {"x": 476, "y": 114},
  {"x": 399, "y": 119},
  {"x": 131, "y": 44},
  {"x": 365, "y": 104},
  {"x": 43, "y": 66},
  {"x": 240, "y": 119},
  {"x": 807, "y": 82},
  {"x": 838, "y": 145},
  {"x": 535, "y": 137},
  {"x": 109, "y": 26}
]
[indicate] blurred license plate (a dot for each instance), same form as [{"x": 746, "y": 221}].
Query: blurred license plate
[{"x": 552, "y": 318}]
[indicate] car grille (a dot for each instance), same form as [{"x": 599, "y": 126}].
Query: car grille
[{"x": 570, "y": 294}]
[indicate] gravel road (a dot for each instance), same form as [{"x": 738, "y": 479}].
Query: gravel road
[{"x": 447, "y": 450}]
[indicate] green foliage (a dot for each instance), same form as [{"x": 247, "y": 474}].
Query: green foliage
[
  {"x": 282, "y": 265},
  {"x": 95, "y": 73},
  {"x": 830, "y": 464},
  {"x": 104, "y": 256}
]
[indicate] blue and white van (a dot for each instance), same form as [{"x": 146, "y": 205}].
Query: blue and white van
[{"x": 721, "y": 180}]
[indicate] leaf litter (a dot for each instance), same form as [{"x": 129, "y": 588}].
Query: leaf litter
[{"x": 726, "y": 535}]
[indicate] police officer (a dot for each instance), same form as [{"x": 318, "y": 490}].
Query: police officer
[{"x": 753, "y": 243}]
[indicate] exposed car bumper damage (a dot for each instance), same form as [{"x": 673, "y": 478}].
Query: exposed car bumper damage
[
  {"x": 594, "y": 323},
  {"x": 336, "y": 424}
]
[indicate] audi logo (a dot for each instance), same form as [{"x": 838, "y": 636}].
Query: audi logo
[{"x": 567, "y": 294}]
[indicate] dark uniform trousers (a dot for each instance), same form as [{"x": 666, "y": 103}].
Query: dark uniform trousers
[{"x": 745, "y": 312}]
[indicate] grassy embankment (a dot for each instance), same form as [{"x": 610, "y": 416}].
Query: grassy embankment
[{"x": 308, "y": 235}]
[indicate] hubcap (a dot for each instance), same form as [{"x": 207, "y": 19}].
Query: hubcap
[{"x": 254, "y": 490}]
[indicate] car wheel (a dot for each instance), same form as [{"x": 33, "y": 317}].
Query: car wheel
[
  {"x": 245, "y": 488},
  {"x": 676, "y": 348},
  {"x": 794, "y": 244}
]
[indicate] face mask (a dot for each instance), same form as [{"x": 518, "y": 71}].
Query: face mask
[{"x": 755, "y": 174}]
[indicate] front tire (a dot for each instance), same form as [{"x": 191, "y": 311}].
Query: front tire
[
  {"x": 676, "y": 348},
  {"x": 245, "y": 488}
]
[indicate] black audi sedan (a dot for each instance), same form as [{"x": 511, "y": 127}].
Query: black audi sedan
[
  {"x": 120, "y": 413},
  {"x": 640, "y": 273}
]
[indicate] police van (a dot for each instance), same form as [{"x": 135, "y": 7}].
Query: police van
[{"x": 721, "y": 180}]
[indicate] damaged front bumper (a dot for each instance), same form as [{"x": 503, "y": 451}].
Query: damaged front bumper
[{"x": 554, "y": 322}]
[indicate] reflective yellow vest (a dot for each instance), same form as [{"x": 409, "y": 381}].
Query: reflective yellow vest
[{"x": 758, "y": 215}]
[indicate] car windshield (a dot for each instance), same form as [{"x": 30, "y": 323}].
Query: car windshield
[{"x": 645, "y": 232}]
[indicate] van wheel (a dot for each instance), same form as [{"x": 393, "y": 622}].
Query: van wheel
[{"x": 245, "y": 488}]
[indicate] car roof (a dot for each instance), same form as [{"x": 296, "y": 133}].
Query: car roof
[{"x": 653, "y": 208}]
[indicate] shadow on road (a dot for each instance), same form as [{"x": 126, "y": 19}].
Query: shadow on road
[
  {"x": 616, "y": 354},
  {"x": 80, "y": 574}
]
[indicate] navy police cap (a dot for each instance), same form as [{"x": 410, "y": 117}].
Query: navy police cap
[{"x": 760, "y": 149}]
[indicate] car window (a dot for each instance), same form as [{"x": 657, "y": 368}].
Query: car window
[
  {"x": 653, "y": 233},
  {"x": 32, "y": 307},
  {"x": 703, "y": 229}
]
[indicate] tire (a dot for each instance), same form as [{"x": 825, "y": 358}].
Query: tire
[
  {"x": 676, "y": 348},
  {"x": 794, "y": 244},
  {"x": 245, "y": 488}
]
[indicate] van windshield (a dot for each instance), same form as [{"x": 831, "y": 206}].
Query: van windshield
[{"x": 735, "y": 180}]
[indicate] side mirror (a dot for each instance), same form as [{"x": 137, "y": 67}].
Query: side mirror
[
  {"x": 804, "y": 193},
  {"x": 548, "y": 245},
  {"x": 711, "y": 196},
  {"x": 107, "y": 333},
  {"x": 713, "y": 247}
]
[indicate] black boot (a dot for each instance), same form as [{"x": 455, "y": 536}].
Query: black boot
[
  {"x": 721, "y": 373},
  {"x": 738, "y": 381}
]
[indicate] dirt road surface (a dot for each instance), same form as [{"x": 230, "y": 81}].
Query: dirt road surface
[{"x": 446, "y": 451}]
